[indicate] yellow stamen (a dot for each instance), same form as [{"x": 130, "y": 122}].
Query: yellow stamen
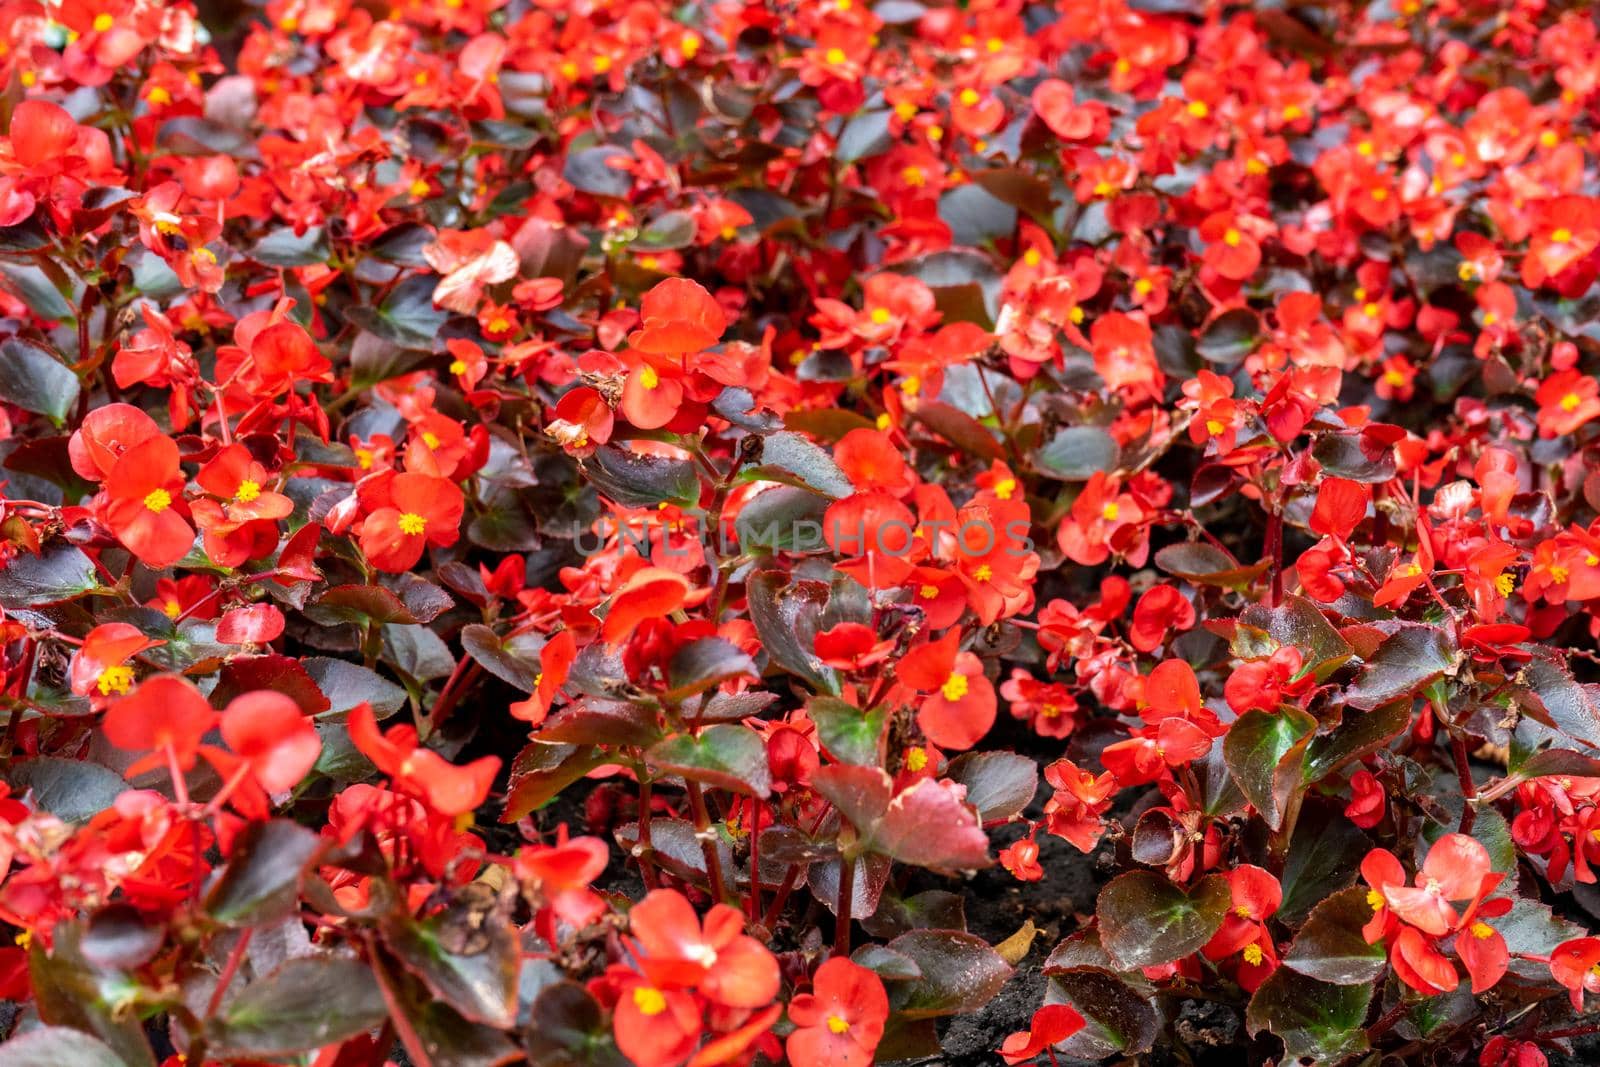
[
  {"x": 158, "y": 500},
  {"x": 247, "y": 491},
  {"x": 114, "y": 680},
  {"x": 649, "y": 1001},
  {"x": 412, "y": 524},
  {"x": 955, "y": 687}
]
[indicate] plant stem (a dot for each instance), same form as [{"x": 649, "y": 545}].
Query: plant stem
[
  {"x": 847, "y": 895},
  {"x": 647, "y": 862},
  {"x": 708, "y": 846},
  {"x": 1469, "y": 788}
]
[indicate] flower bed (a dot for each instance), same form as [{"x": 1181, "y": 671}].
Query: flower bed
[{"x": 820, "y": 534}]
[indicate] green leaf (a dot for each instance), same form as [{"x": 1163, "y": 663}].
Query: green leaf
[
  {"x": 967, "y": 434},
  {"x": 1316, "y": 1021},
  {"x": 1118, "y": 1021},
  {"x": 1325, "y": 854},
  {"x": 1568, "y": 705},
  {"x": 668, "y": 231},
  {"x": 60, "y": 572},
  {"x": 284, "y": 248},
  {"x": 482, "y": 984},
  {"x": 897, "y": 825},
  {"x": 71, "y": 991},
  {"x": 1412, "y": 657},
  {"x": 638, "y": 481},
  {"x": 1206, "y": 564},
  {"x": 1229, "y": 337},
  {"x": 305, "y": 1004},
  {"x": 262, "y": 880},
  {"x": 407, "y": 316},
  {"x": 705, "y": 664},
  {"x": 57, "y": 1046},
  {"x": 864, "y": 135},
  {"x": 32, "y": 284},
  {"x": 791, "y": 459},
  {"x": 1265, "y": 751},
  {"x": 727, "y": 756},
  {"x": 782, "y": 518},
  {"x": 514, "y": 660},
  {"x": 1330, "y": 947},
  {"x": 1357, "y": 735},
  {"x": 360, "y": 605},
  {"x": 786, "y": 614},
  {"x": 347, "y": 684},
  {"x": 999, "y": 784},
  {"x": 959, "y": 973},
  {"x": 541, "y": 771},
  {"x": 71, "y": 790},
  {"x": 1077, "y": 453},
  {"x": 34, "y": 379},
  {"x": 848, "y": 733},
  {"x": 1296, "y": 622},
  {"x": 1146, "y": 920}
]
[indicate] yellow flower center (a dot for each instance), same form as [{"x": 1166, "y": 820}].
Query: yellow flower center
[
  {"x": 649, "y": 378},
  {"x": 1561, "y": 236},
  {"x": 419, "y": 189},
  {"x": 911, "y": 386},
  {"x": 158, "y": 500},
  {"x": 1144, "y": 286},
  {"x": 1372, "y": 310},
  {"x": 1076, "y": 315},
  {"x": 364, "y": 458},
  {"x": 1005, "y": 487},
  {"x": 730, "y": 232},
  {"x": 458, "y": 367},
  {"x": 103, "y": 22},
  {"x": 1481, "y": 930},
  {"x": 1395, "y": 377},
  {"x": 602, "y": 64},
  {"x": 157, "y": 96},
  {"x": 499, "y": 324},
  {"x": 412, "y": 524},
  {"x": 1559, "y": 574},
  {"x": 928, "y": 592},
  {"x": 834, "y": 56},
  {"x": 1505, "y": 583},
  {"x": 1232, "y": 238},
  {"x": 1198, "y": 109},
  {"x": 430, "y": 438},
  {"x": 650, "y": 1001},
  {"x": 1410, "y": 570},
  {"x": 1049, "y": 711},
  {"x": 247, "y": 491},
  {"x": 969, "y": 97},
  {"x": 1214, "y": 427},
  {"x": 172, "y": 609},
  {"x": 1570, "y": 402},
  {"x": 881, "y": 315},
  {"x": 955, "y": 687},
  {"x": 1110, "y": 511},
  {"x": 1104, "y": 188},
  {"x": 689, "y": 45},
  {"x": 204, "y": 255},
  {"x": 1374, "y": 899},
  {"x": 1242, "y": 911},
  {"x": 1253, "y": 955},
  {"x": 1292, "y": 112},
  {"x": 118, "y": 680},
  {"x": 1466, "y": 272},
  {"x": 983, "y": 573},
  {"x": 916, "y": 759},
  {"x": 837, "y": 1025}
]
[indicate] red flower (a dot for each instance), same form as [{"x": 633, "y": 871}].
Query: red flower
[
  {"x": 961, "y": 705},
  {"x": 444, "y": 787},
  {"x": 166, "y": 717},
  {"x": 144, "y": 503},
  {"x": 1161, "y": 610},
  {"x": 1369, "y": 802},
  {"x": 841, "y": 1020},
  {"x": 675, "y": 948},
  {"x": 678, "y": 318},
  {"x": 99, "y": 666},
  {"x": 410, "y": 512},
  {"x": 1575, "y": 965},
  {"x": 1050, "y": 1025}
]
